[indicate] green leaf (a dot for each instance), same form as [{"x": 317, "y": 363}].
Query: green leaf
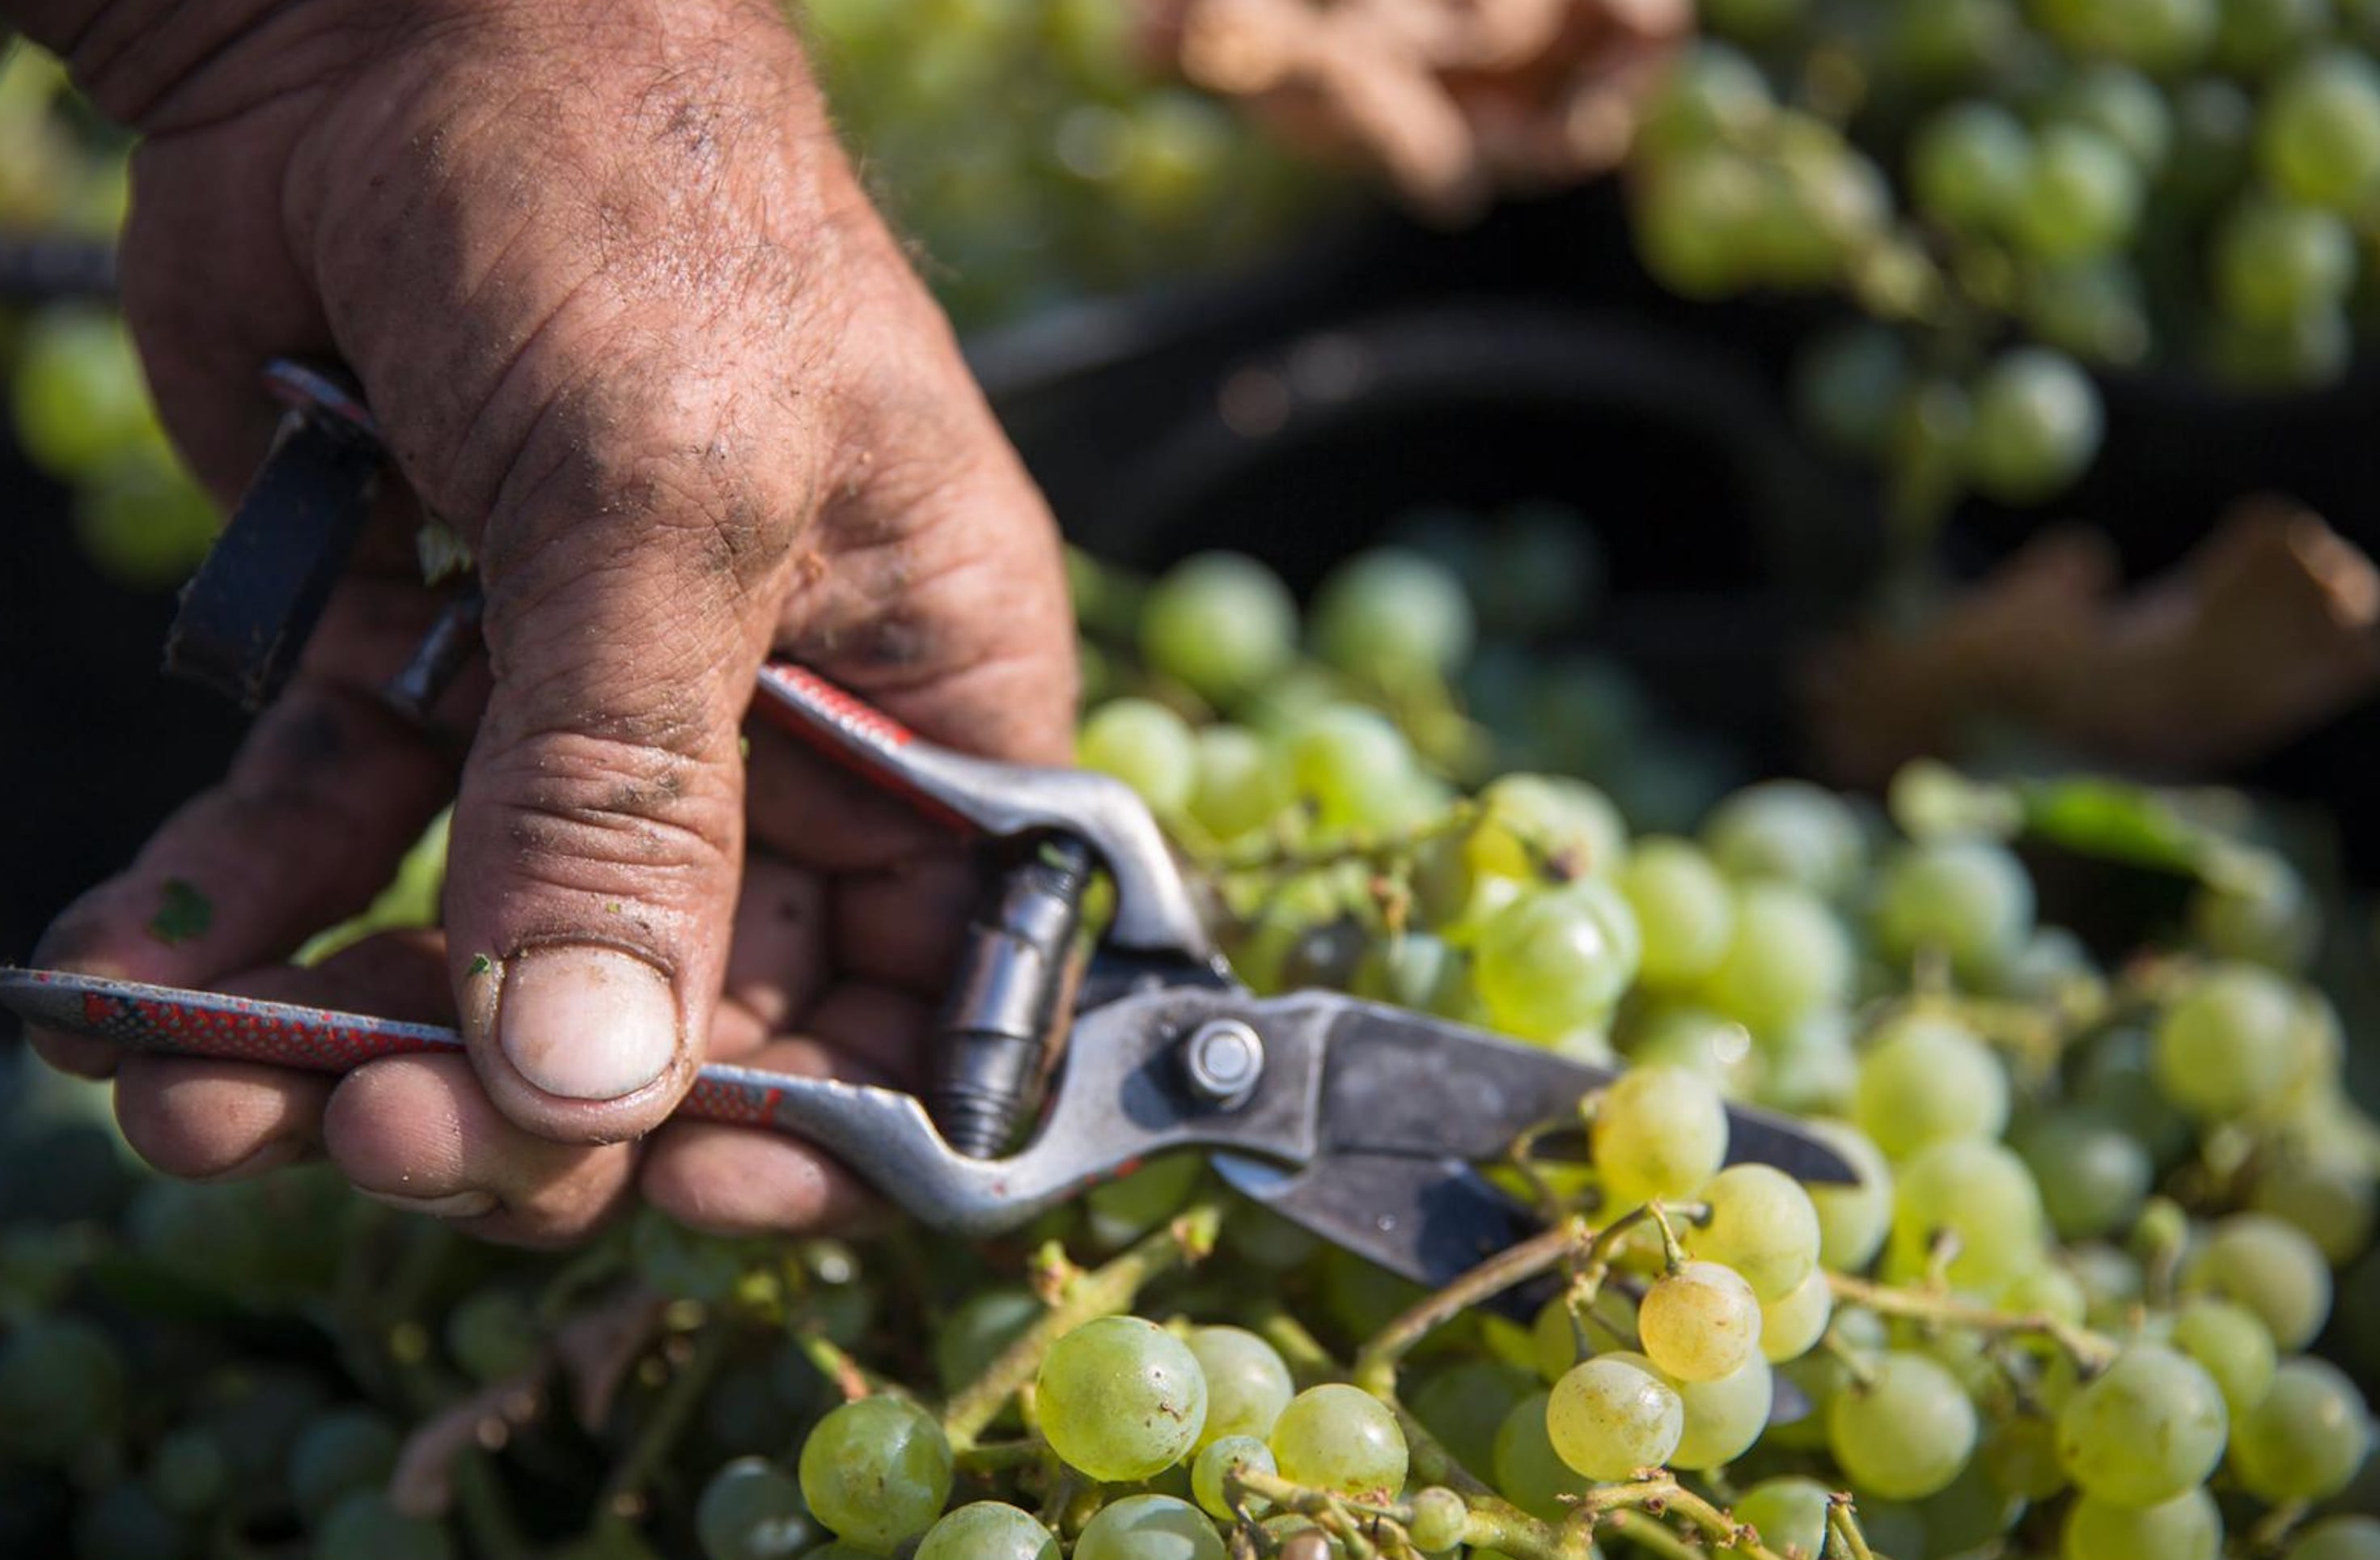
[
  {"x": 2117, "y": 821},
  {"x": 183, "y": 913}
]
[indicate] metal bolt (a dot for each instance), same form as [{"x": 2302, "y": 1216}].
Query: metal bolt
[{"x": 1223, "y": 1060}]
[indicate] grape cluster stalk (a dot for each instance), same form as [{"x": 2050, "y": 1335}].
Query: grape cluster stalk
[{"x": 2095, "y": 1295}]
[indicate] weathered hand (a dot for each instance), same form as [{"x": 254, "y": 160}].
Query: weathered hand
[{"x": 631, "y": 328}]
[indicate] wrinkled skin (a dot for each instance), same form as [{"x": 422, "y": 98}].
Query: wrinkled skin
[{"x": 632, "y": 328}]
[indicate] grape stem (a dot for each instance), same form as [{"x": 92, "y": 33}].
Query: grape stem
[
  {"x": 1662, "y": 1496},
  {"x": 1843, "y": 1529},
  {"x": 2088, "y": 1349},
  {"x": 1102, "y": 1291},
  {"x": 1376, "y": 1364}
]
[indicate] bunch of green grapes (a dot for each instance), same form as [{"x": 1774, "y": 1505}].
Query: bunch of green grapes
[
  {"x": 2081, "y": 1302},
  {"x": 1093, "y": 174},
  {"x": 2017, "y": 193}
]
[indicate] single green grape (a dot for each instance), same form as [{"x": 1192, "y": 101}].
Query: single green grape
[
  {"x": 988, "y": 1530},
  {"x": 1238, "y": 788},
  {"x": 1700, "y": 1322},
  {"x": 1789, "y": 958},
  {"x": 1684, "y": 912},
  {"x": 1215, "y": 1462},
  {"x": 2232, "y": 1344},
  {"x": 1792, "y": 1324},
  {"x": 877, "y": 1471},
  {"x": 1391, "y": 615},
  {"x": 1351, "y": 764},
  {"x": 2272, "y": 260},
  {"x": 1979, "y": 1193},
  {"x": 1148, "y": 1528},
  {"x": 2269, "y": 1266},
  {"x": 1439, "y": 1516},
  {"x": 1247, "y": 1384},
  {"x": 1122, "y": 1398},
  {"x": 2306, "y": 1438},
  {"x": 2185, "y": 1527},
  {"x": 1928, "y": 1081},
  {"x": 1698, "y": 218},
  {"x": 1968, "y": 164},
  {"x": 2082, "y": 196},
  {"x": 1220, "y": 622},
  {"x": 1791, "y": 831},
  {"x": 1968, "y": 898},
  {"x": 1970, "y": 1513},
  {"x": 1809, "y": 1066},
  {"x": 1146, "y": 746},
  {"x": 368, "y": 1526},
  {"x": 2092, "y": 1173},
  {"x": 2037, "y": 427},
  {"x": 2046, "y": 1290},
  {"x": 2221, "y": 1044},
  {"x": 1904, "y": 1434},
  {"x": 1762, "y": 1224},
  {"x": 1556, "y": 960},
  {"x": 1790, "y": 1514},
  {"x": 1609, "y": 1417},
  {"x": 1540, "y": 829},
  {"x": 2318, "y": 139},
  {"x": 1342, "y": 1439},
  {"x": 751, "y": 1509},
  {"x": 1658, "y": 1132},
  {"x": 2148, "y": 1428}
]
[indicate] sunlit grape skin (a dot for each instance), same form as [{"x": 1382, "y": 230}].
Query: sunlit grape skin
[
  {"x": 1700, "y": 1322},
  {"x": 1556, "y": 960},
  {"x": 2268, "y": 1266},
  {"x": 1340, "y": 1438},
  {"x": 1148, "y": 1528},
  {"x": 1925, "y": 1081},
  {"x": 2220, "y": 1045},
  {"x": 2145, "y": 1432},
  {"x": 1658, "y": 1132},
  {"x": 988, "y": 1530},
  {"x": 1122, "y": 1398},
  {"x": 1763, "y": 1226},
  {"x": 1222, "y": 622},
  {"x": 2306, "y": 1438},
  {"x": 1607, "y": 1418},
  {"x": 877, "y": 1470}
]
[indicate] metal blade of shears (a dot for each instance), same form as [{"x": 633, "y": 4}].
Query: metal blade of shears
[{"x": 1406, "y": 1083}]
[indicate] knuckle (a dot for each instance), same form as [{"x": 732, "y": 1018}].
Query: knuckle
[{"x": 637, "y": 826}]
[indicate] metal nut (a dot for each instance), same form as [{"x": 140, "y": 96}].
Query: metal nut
[{"x": 1223, "y": 1060}]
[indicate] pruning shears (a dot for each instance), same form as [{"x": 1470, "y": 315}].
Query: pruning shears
[{"x": 1367, "y": 1124}]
